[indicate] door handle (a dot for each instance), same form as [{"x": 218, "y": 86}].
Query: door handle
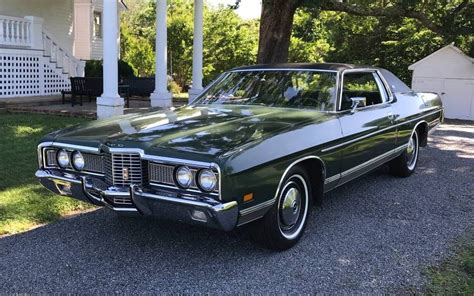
[{"x": 390, "y": 116}]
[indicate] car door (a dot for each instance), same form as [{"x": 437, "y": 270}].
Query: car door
[{"x": 368, "y": 132}]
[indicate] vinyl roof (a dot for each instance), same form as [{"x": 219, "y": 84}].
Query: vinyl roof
[{"x": 307, "y": 66}]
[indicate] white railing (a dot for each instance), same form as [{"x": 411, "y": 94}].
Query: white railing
[
  {"x": 28, "y": 33},
  {"x": 15, "y": 31},
  {"x": 63, "y": 59}
]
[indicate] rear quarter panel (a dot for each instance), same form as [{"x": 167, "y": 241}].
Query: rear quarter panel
[{"x": 412, "y": 108}]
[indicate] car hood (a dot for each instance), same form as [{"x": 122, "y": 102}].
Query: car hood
[{"x": 206, "y": 131}]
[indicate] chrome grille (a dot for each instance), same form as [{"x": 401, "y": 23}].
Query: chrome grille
[
  {"x": 93, "y": 163},
  {"x": 164, "y": 174},
  {"x": 161, "y": 173},
  {"x": 51, "y": 157},
  {"x": 123, "y": 169}
]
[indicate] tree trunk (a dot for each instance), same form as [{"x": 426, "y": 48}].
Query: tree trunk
[{"x": 276, "y": 23}]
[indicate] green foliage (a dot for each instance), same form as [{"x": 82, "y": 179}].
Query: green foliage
[
  {"x": 229, "y": 41},
  {"x": 390, "y": 42},
  {"x": 94, "y": 69},
  {"x": 455, "y": 276}
]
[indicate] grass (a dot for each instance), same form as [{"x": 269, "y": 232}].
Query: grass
[
  {"x": 455, "y": 276},
  {"x": 24, "y": 203}
]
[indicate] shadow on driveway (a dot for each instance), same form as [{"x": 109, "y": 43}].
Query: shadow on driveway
[{"x": 373, "y": 235}]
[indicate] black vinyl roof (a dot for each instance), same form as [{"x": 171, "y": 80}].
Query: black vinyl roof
[{"x": 307, "y": 66}]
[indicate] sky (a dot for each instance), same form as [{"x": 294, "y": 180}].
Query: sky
[{"x": 249, "y": 9}]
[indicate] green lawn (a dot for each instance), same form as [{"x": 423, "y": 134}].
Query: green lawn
[
  {"x": 24, "y": 203},
  {"x": 455, "y": 276}
]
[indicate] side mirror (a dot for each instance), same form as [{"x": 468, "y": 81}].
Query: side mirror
[{"x": 358, "y": 102}]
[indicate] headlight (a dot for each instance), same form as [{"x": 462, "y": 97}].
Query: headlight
[
  {"x": 78, "y": 160},
  {"x": 207, "y": 180},
  {"x": 184, "y": 176},
  {"x": 63, "y": 158}
]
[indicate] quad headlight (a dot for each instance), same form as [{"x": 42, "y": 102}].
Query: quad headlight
[
  {"x": 184, "y": 176},
  {"x": 78, "y": 161},
  {"x": 207, "y": 180},
  {"x": 63, "y": 158}
]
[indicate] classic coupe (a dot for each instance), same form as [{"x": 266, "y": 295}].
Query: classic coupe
[{"x": 260, "y": 144}]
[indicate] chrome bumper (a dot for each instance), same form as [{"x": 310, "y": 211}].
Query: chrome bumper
[{"x": 145, "y": 202}]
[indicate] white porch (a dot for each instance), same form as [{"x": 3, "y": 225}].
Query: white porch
[
  {"x": 110, "y": 103},
  {"x": 34, "y": 64}
]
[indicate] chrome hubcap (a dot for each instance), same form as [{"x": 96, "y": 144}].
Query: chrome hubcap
[
  {"x": 290, "y": 208},
  {"x": 412, "y": 151}
]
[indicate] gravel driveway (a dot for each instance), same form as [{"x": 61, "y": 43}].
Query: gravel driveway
[{"x": 374, "y": 235}]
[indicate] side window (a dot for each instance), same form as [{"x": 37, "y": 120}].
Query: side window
[{"x": 363, "y": 84}]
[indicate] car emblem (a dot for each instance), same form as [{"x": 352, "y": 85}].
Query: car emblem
[{"x": 125, "y": 174}]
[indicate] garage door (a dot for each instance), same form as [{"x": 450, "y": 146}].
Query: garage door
[{"x": 457, "y": 95}]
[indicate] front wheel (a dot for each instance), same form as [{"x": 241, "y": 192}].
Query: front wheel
[
  {"x": 405, "y": 164},
  {"x": 283, "y": 226}
]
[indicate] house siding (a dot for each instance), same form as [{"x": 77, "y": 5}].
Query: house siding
[
  {"x": 57, "y": 15},
  {"x": 96, "y": 43}
]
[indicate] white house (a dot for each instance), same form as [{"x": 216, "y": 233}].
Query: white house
[
  {"x": 450, "y": 73},
  {"x": 44, "y": 42}
]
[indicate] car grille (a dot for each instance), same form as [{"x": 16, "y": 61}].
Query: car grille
[
  {"x": 164, "y": 174},
  {"x": 123, "y": 169},
  {"x": 161, "y": 173},
  {"x": 93, "y": 162}
]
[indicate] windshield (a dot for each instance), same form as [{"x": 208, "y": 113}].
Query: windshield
[{"x": 276, "y": 88}]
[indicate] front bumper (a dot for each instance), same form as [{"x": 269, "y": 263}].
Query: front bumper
[{"x": 144, "y": 201}]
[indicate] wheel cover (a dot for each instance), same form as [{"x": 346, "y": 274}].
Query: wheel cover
[
  {"x": 290, "y": 208},
  {"x": 412, "y": 151},
  {"x": 293, "y": 206}
]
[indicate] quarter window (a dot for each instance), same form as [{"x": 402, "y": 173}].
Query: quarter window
[{"x": 362, "y": 84}]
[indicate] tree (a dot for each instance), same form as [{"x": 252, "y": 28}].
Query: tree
[
  {"x": 445, "y": 18},
  {"x": 229, "y": 41}
]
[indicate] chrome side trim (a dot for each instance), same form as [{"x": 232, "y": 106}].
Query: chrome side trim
[
  {"x": 332, "y": 179},
  {"x": 373, "y": 160},
  {"x": 257, "y": 207},
  {"x": 364, "y": 165},
  {"x": 379, "y": 131}
]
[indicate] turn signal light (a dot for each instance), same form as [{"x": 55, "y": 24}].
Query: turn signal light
[{"x": 248, "y": 197}]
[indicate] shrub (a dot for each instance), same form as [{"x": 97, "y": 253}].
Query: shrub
[{"x": 94, "y": 69}]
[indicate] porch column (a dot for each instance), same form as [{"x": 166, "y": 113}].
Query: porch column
[
  {"x": 196, "y": 87},
  {"x": 110, "y": 103},
  {"x": 161, "y": 97}
]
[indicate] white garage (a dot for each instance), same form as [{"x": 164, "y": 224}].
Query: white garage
[{"x": 450, "y": 73}]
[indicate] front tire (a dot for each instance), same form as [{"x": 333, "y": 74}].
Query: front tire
[
  {"x": 405, "y": 164},
  {"x": 284, "y": 224}
]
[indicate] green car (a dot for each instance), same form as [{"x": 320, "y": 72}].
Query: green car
[{"x": 260, "y": 144}]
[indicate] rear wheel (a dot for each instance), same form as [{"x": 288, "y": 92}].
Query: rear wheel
[
  {"x": 282, "y": 227},
  {"x": 405, "y": 164}
]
